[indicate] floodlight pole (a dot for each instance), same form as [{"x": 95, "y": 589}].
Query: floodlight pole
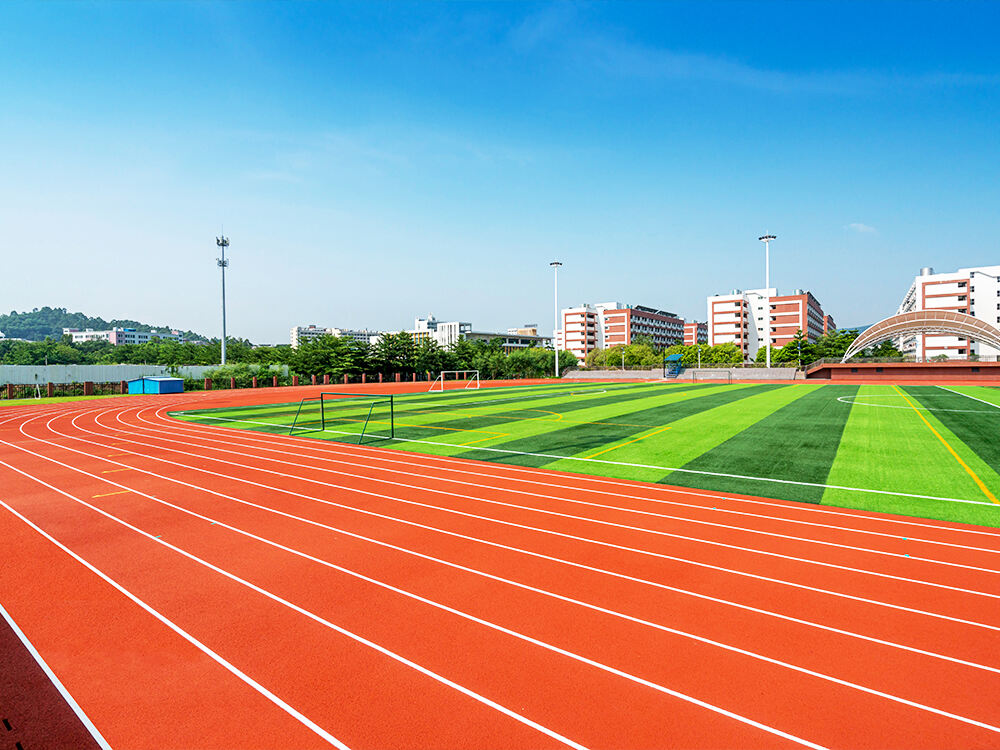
[
  {"x": 223, "y": 242},
  {"x": 555, "y": 304},
  {"x": 766, "y": 239}
]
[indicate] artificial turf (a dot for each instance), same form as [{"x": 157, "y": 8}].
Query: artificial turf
[{"x": 922, "y": 450}]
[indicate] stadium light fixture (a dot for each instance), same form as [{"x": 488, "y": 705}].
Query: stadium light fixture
[
  {"x": 766, "y": 239},
  {"x": 555, "y": 303},
  {"x": 223, "y": 242}
]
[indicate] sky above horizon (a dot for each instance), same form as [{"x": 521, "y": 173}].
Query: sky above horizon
[{"x": 374, "y": 162}]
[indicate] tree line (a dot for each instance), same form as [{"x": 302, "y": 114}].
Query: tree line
[{"x": 329, "y": 355}]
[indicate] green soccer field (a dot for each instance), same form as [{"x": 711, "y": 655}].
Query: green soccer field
[{"x": 928, "y": 451}]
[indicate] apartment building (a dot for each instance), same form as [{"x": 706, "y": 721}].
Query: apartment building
[
  {"x": 511, "y": 341},
  {"x": 120, "y": 336},
  {"x": 751, "y": 318},
  {"x": 446, "y": 334},
  {"x": 695, "y": 333},
  {"x": 974, "y": 291},
  {"x": 588, "y": 327}
]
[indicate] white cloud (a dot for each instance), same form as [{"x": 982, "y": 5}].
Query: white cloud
[{"x": 860, "y": 228}]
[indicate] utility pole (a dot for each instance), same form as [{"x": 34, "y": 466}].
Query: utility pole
[
  {"x": 223, "y": 242},
  {"x": 766, "y": 239},
  {"x": 555, "y": 301}
]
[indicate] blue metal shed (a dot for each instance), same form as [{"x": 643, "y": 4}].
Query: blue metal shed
[{"x": 156, "y": 385}]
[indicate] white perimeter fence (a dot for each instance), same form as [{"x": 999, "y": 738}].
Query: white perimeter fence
[{"x": 42, "y": 374}]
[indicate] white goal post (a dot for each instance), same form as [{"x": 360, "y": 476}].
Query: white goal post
[
  {"x": 470, "y": 375},
  {"x": 704, "y": 374}
]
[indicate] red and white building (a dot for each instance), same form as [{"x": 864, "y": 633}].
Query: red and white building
[
  {"x": 588, "y": 327},
  {"x": 695, "y": 333},
  {"x": 749, "y": 319},
  {"x": 974, "y": 291}
]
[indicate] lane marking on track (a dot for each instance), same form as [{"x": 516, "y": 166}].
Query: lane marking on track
[
  {"x": 979, "y": 482},
  {"x": 610, "y": 545},
  {"x": 523, "y": 636},
  {"x": 664, "y": 469},
  {"x": 982, "y": 401},
  {"x": 546, "y": 511},
  {"x": 112, "y": 471},
  {"x": 172, "y": 625},
  {"x": 629, "y": 442},
  {"x": 538, "y": 555},
  {"x": 336, "y": 452},
  {"x": 109, "y": 494},
  {"x": 70, "y": 700}
]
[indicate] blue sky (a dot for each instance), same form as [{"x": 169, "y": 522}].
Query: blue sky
[{"x": 373, "y": 162}]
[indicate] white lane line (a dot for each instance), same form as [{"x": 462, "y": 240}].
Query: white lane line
[
  {"x": 612, "y": 524},
  {"x": 844, "y": 399},
  {"x": 555, "y": 457},
  {"x": 464, "y": 615},
  {"x": 346, "y": 532},
  {"x": 305, "y": 721},
  {"x": 988, "y": 403},
  {"x": 515, "y": 473},
  {"x": 135, "y": 430},
  {"x": 522, "y": 636},
  {"x": 84, "y": 719},
  {"x": 659, "y": 555}
]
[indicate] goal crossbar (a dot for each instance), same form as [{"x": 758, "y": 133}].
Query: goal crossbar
[{"x": 472, "y": 376}]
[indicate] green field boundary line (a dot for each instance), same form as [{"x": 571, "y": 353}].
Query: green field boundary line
[{"x": 636, "y": 465}]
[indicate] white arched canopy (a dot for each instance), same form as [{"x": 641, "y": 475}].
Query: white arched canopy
[{"x": 946, "y": 322}]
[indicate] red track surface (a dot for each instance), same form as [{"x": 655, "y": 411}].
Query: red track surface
[{"x": 205, "y": 587}]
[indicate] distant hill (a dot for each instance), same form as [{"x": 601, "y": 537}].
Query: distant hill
[{"x": 49, "y": 321}]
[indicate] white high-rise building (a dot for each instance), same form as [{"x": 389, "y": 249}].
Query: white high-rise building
[
  {"x": 303, "y": 334},
  {"x": 974, "y": 291}
]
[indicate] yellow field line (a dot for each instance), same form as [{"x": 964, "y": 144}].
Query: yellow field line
[
  {"x": 951, "y": 450},
  {"x": 109, "y": 494},
  {"x": 622, "y": 445},
  {"x": 112, "y": 471},
  {"x": 492, "y": 437}
]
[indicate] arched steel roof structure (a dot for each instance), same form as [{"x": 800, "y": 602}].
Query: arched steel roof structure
[{"x": 946, "y": 322}]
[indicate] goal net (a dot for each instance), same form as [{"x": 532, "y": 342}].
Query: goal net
[
  {"x": 470, "y": 378},
  {"x": 351, "y": 415},
  {"x": 704, "y": 375}
]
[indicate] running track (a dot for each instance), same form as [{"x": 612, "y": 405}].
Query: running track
[{"x": 203, "y": 587}]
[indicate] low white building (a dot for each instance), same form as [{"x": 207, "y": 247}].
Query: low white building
[
  {"x": 446, "y": 334},
  {"x": 304, "y": 334},
  {"x": 974, "y": 291},
  {"x": 121, "y": 336}
]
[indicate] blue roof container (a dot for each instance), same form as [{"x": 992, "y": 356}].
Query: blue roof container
[{"x": 156, "y": 385}]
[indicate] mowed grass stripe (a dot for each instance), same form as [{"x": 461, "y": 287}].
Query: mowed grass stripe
[
  {"x": 798, "y": 442},
  {"x": 975, "y": 425},
  {"x": 886, "y": 446},
  {"x": 688, "y": 437},
  {"x": 585, "y": 439}
]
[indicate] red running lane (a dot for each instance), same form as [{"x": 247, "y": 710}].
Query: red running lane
[{"x": 817, "y": 708}]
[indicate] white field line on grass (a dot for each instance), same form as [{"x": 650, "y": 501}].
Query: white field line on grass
[
  {"x": 134, "y": 430},
  {"x": 302, "y": 719},
  {"x": 610, "y": 545},
  {"x": 853, "y": 402},
  {"x": 514, "y": 473},
  {"x": 982, "y": 401},
  {"x": 580, "y": 566},
  {"x": 451, "y": 610},
  {"x": 70, "y": 701},
  {"x": 587, "y": 519},
  {"x": 555, "y": 457},
  {"x": 342, "y": 459},
  {"x": 516, "y": 634}
]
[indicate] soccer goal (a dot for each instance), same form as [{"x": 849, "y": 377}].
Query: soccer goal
[
  {"x": 471, "y": 378},
  {"x": 699, "y": 374},
  {"x": 370, "y": 415}
]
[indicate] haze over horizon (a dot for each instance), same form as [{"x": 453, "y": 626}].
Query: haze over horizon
[{"x": 373, "y": 162}]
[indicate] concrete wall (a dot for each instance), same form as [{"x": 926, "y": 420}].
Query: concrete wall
[
  {"x": 930, "y": 371},
  {"x": 688, "y": 374}
]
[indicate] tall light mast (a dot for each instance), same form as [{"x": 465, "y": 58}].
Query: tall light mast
[
  {"x": 766, "y": 239},
  {"x": 555, "y": 302},
  {"x": 223, "y": 242}
]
